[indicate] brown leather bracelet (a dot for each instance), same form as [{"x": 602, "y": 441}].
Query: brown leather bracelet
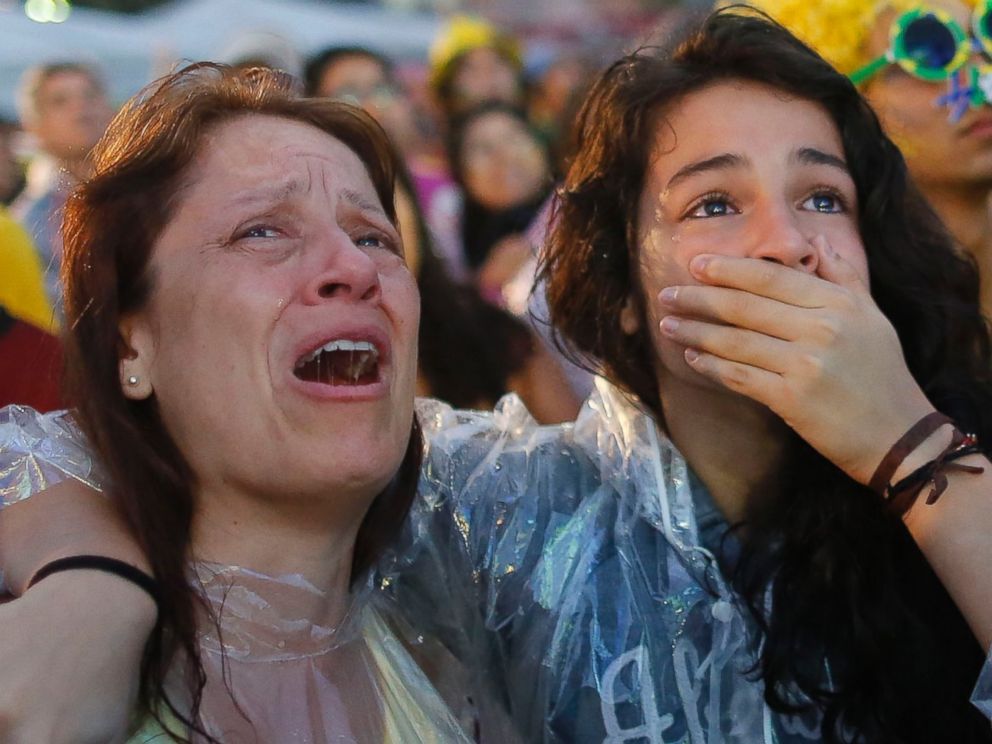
[{"x": 908, "y": 442}]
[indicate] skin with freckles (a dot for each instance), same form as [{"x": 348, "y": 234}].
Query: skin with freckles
[{"x": 278, "y": 243}]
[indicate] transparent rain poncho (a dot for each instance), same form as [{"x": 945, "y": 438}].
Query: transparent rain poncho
[
  {"x": 274, "y": 674},
  {"x": 571, "y": 569}
]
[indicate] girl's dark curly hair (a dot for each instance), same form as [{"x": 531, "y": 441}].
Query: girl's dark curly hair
[{"x": 847, "y": 583}]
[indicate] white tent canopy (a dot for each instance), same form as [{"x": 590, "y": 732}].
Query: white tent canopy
[{"x": 130, "y": 50}]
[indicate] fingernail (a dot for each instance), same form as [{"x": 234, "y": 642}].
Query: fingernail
[
  {"x": 691, "y": 355},
  {"x": 668, "y": 294},
  {"x": 699, "y": 263},
  {"x": 669, "y": 325}
]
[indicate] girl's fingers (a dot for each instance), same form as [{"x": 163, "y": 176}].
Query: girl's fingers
[
  {"x": 757, "y": 384},
  {"x": 730, "y": 343},
  {"x": 738, "y": 308},
  {"x": 835, "y": 269},
  {"x": 765, "y": 278}
]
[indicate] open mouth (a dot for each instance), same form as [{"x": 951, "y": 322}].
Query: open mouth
[{"x": 340, "y": 362}]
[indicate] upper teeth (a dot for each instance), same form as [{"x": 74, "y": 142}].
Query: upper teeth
[{"x": 340, "y": 344}]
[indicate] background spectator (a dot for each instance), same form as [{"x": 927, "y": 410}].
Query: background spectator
[
  {"x": 473, "y": 62},
  {"x": 943, "y": 126},
  {"x": 64, "y": 108},
  {"x": 505, "y": 174}
]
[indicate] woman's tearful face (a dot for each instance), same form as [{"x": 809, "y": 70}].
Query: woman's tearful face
[{"x": 280, "y": 339}]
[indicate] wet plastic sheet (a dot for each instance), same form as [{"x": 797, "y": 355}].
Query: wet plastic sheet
[
  {"x": 274, "y": 674},
  {"x": 565, "y": 568},
  {"x": 982, "y": 696}
]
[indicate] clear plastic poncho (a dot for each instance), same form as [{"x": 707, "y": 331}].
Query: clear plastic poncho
[
  {"x": 572, "y": 570},
  {"x": 274, "y": 674}
]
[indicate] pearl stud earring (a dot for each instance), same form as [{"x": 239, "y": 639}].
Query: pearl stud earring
[{"x": 132, "y": 380}]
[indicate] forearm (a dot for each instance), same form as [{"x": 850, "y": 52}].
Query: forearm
[
  {"x": 67, "y": 519},
  {"x": 955, "y": 534}
]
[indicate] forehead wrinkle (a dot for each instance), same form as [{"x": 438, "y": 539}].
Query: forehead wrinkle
[{"x": 271, "y": 193}]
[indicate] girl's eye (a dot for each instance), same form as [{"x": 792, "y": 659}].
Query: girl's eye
[
  {"x": 826, "y": 203},
  {"x": 713, "y": 206}
]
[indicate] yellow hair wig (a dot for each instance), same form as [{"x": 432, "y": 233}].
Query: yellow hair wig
[{"x": 837, "y": 29}]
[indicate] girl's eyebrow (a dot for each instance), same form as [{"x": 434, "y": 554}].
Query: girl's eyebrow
[
  {"x": 813, "y": 156},
  {"x": 717, "y": 162}
]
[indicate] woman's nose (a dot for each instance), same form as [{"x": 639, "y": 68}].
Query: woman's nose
[
  {"x": 779, "y": 237},
  {"x": 345, "y": 272}
]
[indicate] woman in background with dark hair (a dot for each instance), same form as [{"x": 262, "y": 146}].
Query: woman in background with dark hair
[
  {"x": 505, "y": 174},
  {"x": 701, "y": 557}
]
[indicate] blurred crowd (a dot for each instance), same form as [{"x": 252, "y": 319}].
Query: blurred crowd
[
  {"x": 483, "y": 132},
  {"x": 481, "y": 136}
]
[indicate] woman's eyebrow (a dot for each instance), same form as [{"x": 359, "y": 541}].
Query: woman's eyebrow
[
  {"x": 813, "y": 156},
  {"x": 717, "y": 162},
  {"x": 362, "y": 202}
]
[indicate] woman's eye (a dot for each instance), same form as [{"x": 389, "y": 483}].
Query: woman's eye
[
  {"x": 826, "y": 203},
  {"x": 375, "y": 241},
  {"x": 369, "y": 241},
  {"x": 714, "y": 206},
  {"x": 259, "y": 231}
]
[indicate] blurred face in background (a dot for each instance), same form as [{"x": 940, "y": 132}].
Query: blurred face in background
[
  {"x": 71, "y": 112},
  {"x": 483, "y": 74},
  {"x": 502, "y": 163},
  {"x": 362, "y": 80},
  {"x": 939, "y": 152}
]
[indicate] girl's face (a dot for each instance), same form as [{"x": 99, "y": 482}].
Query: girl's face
[
  {"x": 502, "y": 162},
  {"x": 939, "y": 152},
  {"x": 739, "y": 169}
]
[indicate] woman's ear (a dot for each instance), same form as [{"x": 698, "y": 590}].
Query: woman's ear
[
  {"x": 630, "y": 317},
  {"x": 136, "y": 357}
]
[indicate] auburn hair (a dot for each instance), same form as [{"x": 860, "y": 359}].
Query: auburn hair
[{"x": 111, "y": 225}]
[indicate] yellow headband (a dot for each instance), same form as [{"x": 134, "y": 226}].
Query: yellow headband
[
  {"x": 462, "y": 34},
  {"x": 837, "y": 29}
]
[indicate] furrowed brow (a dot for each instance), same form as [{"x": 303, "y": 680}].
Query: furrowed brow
[
  {"x": 362, "y": 202},
  {"x": 269, "y": 194}
]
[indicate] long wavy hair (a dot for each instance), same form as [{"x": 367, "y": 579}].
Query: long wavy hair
[
  {"x": 112, "y": 222},
  {"x": 847, "y": 583}
]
